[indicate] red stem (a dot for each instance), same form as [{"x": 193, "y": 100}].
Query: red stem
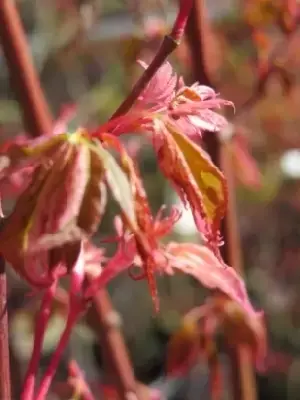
[
  {"x": 169, "y": 44},
  {"x": 182, "y": 18},
  {"x": 105, "y": 322},
  {"x": 40, "y": 329},
  {"x": 51, "y": 370},
  {"x": 167, "y": 47},
  {"x": 24, "y": 79},
  {"x": 75, "y": 309},
  {"x": 5, "y": 389},
  {"x": 243, "y": 381},
  {"x": 75, "y": 372}
]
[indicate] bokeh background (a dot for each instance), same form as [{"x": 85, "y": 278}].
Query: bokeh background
[{"x": 85, "y": 53}]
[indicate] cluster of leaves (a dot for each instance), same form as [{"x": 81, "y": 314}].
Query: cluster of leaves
[{"x": 62, "y": 182}]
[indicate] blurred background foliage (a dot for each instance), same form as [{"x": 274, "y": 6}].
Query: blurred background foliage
[{"x": 85, "y": 53}]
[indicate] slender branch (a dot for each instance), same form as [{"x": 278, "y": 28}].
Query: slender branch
[
  {"x": 79, "y": 380},
  {"x": 24, "y": 80},
  {"x": 106, "y": 323},
  {"x": 181, "y": 20},
  {"x": 169, "y": 44},
  {"x": 5, "y": 389},
  {"x": 167, "y": 47},
  {"x": 41, "y": 324},
  {"x": 52, "y": 367},
  {"x": 243, "y": 381}
]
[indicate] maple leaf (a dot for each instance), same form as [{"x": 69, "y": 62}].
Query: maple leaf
[
  {"x": 167, "y": 98},
  {"x": 242, "y": 328},
  {"x": 192, "y": 259},
  {"x": 201, "y": 263},
  {"x": 166, "y": 109},
  {"x": 193, "y": 341},
  {"x": 62, "y": 205},
  {"x": 197, "y": 337},
  {"x": 144, "y": 228},
  {"x": 161, "y": 89},
  {"x": 13, "y": 155},
  {"x": 187, "y": 106},
  {"x": 196, "y": 179}
]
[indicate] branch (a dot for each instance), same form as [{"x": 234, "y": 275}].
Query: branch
[
  {"x": 105, "y": 322},
  {"x": 243, "y": 381},
  {"x": 5, "y": 389},
  {"x": 169, "y": 44},
  {"x": 24, "y": 79}
]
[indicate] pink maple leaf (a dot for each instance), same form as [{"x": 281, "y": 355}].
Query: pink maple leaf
[
  {"x": 201, "y": 263},
  {"x": 190, "y": 106}
]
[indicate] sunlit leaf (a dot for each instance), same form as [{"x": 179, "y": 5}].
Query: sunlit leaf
[
  {"x": 117, "y": 182},
  {"x": 161, "y": 88},
  {"x": 208, "y": 177},
  {"x": 200, "y": 262}
]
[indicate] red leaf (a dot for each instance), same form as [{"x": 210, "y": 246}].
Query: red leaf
[
  {"x": 161, "y": 89},
  {"x": 197, "y": 180},
  {"x": 200, "y": 262}
]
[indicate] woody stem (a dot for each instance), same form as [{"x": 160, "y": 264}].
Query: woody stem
[
  {"x": 169, "y": 44},
  {"x": 5, "y": 388},
  {"x": 23, "y": 77},
  {"x": 243, "y": 380}
]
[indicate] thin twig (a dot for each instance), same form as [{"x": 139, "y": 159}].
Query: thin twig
[
  {"x": 169, "y": 44},
  {"x": 243, "y": 380},
  {"x": 41, "y": 323},
  {"x": 167, "y": 47},
  {"x": 80, "y": 384},
  {"x": 106, "y": 322},
  {"x": 5, "y": 389}
]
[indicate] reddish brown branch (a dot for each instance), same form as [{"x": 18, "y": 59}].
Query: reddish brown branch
[
  {"x": 106, "y": 323},
  {"x": 169, "y": 44},
  {"x": 23, "y": 76},
  {"x": 243, "y": 381},
  {"x": 5, "y": 389},
  {"x": 167, "y": 47}
]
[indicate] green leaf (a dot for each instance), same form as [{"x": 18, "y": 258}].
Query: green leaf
[{"x": 117, "y": 182}]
